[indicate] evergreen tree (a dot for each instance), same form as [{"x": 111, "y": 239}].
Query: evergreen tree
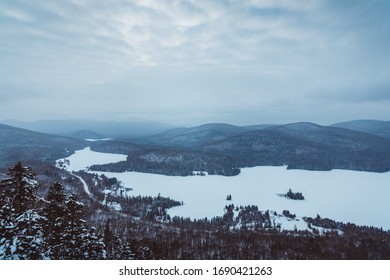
[
  {"x": 117, "y": 251},
  {"x": 108, "y": 239},
  {"x": 93, "y": 246},
  {"x": 126, "y": 253},
  {"x": 59, "y": 233},
  {"x": 23, "y": 238},
  {"x": 7, "y": 220},
  {"x": 79, "y": 241},
  {"x": 54, "y": 212},
  {"x": 143, "y": 253},
  {"x": 73, "y": 230},
  {"x": 29, "y": 240},
  {"x": 19, "y": 189},
  {"x": 21, "y": 232}
]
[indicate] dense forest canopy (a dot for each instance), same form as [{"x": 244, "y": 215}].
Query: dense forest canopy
[{"x": 58, "y": 226}]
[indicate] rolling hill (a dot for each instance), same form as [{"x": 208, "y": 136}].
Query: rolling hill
[
  {"x": 18, "y": 144},
  {"x": 85, "y": 134},
  {"x": 307, "y": 146},
  {"x": 187, "y": 137},
  {"x": 376, "y": 127},
  {"x": 215, "y": 148},
  {"x": 107, "y": 129},
  {"x": 298, "y": 145}
]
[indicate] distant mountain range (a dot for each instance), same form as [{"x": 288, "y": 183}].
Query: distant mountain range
[
  {"x": 307, "y": 146},
  {"x": 223, "y": 148},
  {"x": 218, "y": 148},
  {"x": 208, "y": 133},
  {"x": 104, "y": 129},
  {"x": 85, "y": 134},
  {"x": 186, "y": 137},
  {"x": 380, "y": 128}
]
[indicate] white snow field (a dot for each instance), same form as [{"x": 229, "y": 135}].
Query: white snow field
[
  {"x": 82, "y": 159},
  {"x": 342, "y": 195},
  {"x": 95, "y": 140}
]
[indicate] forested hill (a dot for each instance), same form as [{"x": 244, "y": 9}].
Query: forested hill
[
  {"x": 298, "y": 145},
  {"x": 376, "y": 127},
  {"x": 307, "y": 146},
  {"x": 214, "y": 148},
  {"x": 187, "y": 137},
  {"x": 20, "y": 145}
]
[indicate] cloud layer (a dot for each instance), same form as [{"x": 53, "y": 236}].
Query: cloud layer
[{"x": 195, "y": 61}]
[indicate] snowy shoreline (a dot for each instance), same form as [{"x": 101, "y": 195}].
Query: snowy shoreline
[{"x": 343, "y": 195}]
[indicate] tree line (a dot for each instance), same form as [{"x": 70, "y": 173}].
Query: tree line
[
  {"x": 54, "y": 226},
  {"x": 51, "y": 227}
]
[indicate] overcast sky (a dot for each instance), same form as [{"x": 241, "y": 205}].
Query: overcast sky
[{"x": 195, "y": 61}]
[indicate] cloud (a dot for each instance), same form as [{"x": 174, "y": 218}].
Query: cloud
[
  {"x": 353, "y": 95},
  {"x": 220, "y": 56},
  {"x": 160, "y": 32},
  {"x": 180, "y": 33}
]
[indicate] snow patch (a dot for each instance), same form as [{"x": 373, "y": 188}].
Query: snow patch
[
  {"x": 286, "y": 223},
  {"x": 200, "y": 173},
  {"x": 94, "y": 140},
  {"x": 113, "y": 205}
]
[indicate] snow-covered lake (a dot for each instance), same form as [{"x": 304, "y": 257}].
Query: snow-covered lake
[
  {"x": 83, "y": 159},
  {"x": 342, "y": 195}
]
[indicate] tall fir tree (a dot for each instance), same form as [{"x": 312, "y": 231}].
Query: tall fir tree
[
  {"x": 54, "y": 212},
  {"x": 29, "y": 241},
  {"x": 74, "y": 229},
  {"x": 21, "y": 231},
  {"x": 80, "y": 242},
  {"x": 20, "y": 188},
  {"x": 93, "y": 246},
  {"x": 108, "y": 239},
  {"x": 57, "y": 231}
]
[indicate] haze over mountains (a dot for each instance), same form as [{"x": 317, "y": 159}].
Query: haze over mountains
[
  {"x": 91, "y": 128},
  {"x": 198, "y": 135},
  {"x": 216, "y": 148},
  {"x": 380, "y": 128},
  {"x": 18, "y": 144}
]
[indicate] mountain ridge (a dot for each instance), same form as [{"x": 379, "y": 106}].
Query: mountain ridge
[
  {"x": 217, "y": 148},
  {"x": 17, "y": 144},
  {"x": 307, "y": 146},
  {"x": 114, "y": 129},
  {"x": 376, "y": 127},
  {"x": 185, "y": 137}
]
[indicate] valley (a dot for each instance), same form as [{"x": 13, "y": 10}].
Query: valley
[
  {"x": 338, "y": 194},
  {"x": 216, "y": 191}
]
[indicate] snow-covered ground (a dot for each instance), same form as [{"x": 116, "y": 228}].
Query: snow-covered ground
[
  {"x": 342, "y": 195},
  {"x": 94, "y": 140}
]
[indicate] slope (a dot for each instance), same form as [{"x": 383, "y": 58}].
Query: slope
[
  {"x": 20, "y": 145},
  {"x": 187, "y": 137},
  {"x": 306, "y": 146},
  {"x": 376, "y": 127}
]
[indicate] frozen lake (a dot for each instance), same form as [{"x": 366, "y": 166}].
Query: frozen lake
[{"x": 342, "y": 195}]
